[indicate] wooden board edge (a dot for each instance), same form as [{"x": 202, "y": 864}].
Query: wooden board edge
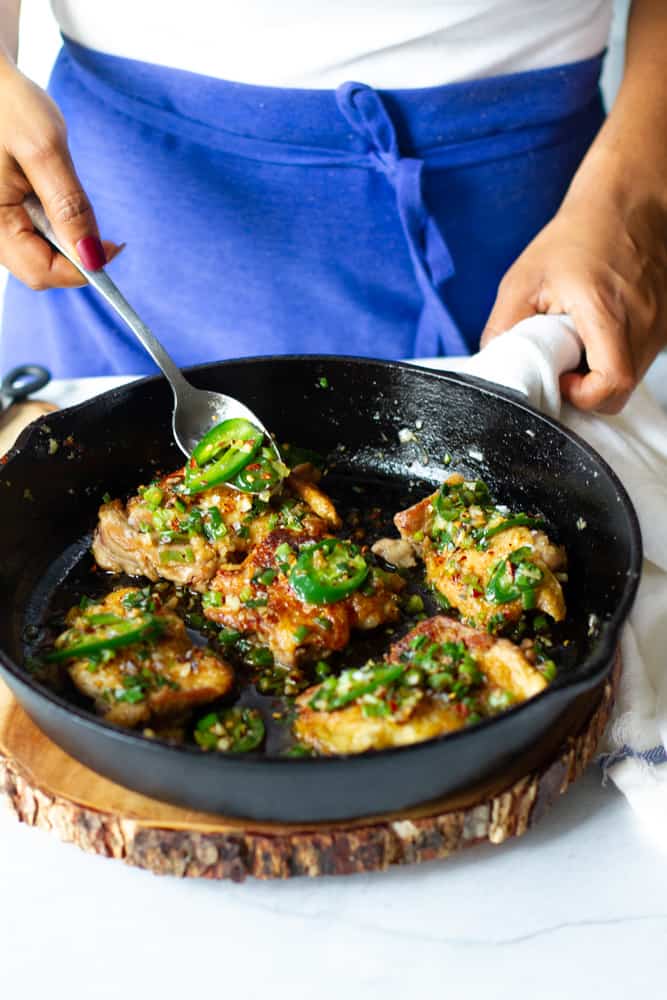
[{"x": 239, "y": 854}]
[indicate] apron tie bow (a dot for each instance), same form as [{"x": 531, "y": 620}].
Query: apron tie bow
[{"x": 432, "y": 262}]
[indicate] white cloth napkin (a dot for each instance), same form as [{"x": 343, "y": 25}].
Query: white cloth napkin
[{"x": 529, "y": 358}]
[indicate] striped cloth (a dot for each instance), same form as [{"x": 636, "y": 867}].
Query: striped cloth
[{"x": 529, "y": 359}]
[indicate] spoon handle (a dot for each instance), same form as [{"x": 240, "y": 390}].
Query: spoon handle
[{"x": 102, "y": 283}]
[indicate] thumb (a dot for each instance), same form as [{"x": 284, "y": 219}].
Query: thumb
[
  {"x": 66, "y": 204},
  {"x": 511, "y": 306}
]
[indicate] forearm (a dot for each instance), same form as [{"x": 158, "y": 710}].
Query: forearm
[
  {"x": 9, "y": 29},
  {"x": 629, "y": 155}
]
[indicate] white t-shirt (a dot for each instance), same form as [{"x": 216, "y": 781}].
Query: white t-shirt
[{"x": 321, "y": 43}]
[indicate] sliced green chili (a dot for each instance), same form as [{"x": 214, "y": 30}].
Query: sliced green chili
[
  {"x": 103, "y": 632},
  {"x": 336, "y": 692},
  {"x": 236, "y": 730},
  {"x": 328, "y": 571},
  {"x": 515, "y": 577},
  {"x": 176, "y": 556},
  {"x": 264, "y": 472},
  {"x": 222, "y": 453}
]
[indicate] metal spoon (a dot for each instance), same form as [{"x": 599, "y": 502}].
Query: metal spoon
[{"x": 195, "y": 410}]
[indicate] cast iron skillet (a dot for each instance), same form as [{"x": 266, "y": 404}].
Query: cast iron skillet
[{"x": 50, "y": 500}]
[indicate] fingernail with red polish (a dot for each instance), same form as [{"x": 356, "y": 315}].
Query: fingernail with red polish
[{"x": 91, "y": 253}]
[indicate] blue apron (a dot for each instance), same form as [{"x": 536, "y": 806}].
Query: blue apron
[{"x": 263, "y": 220}]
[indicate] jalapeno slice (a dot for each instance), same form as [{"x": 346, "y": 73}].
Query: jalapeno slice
[
  {"x": 515, "y": 577},
  {"x": 263, "y": 472},
  {"x": 222, "y": 453},
  {"x": 236, "y": 730},
  {"x": 103, "y": 632},
  {"x": 337, "y": 692},
  {"x": 328, "y": 571}
]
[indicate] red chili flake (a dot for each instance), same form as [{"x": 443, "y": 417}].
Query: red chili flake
[
  {"x": 192, "y": 463},
  {"x": 4, "y": 460},
  {"x": 477, "y": 593},
  {"x": 253, "y": 465},
  {"x": 393, "y": 706}
]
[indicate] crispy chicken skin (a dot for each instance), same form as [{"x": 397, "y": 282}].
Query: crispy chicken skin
[
  {"x": 505, "y": 669},
  {"x": 150, "y": 681},
  {"x": 503, "y": 662},
  {"x": 349, "y": 731},
  {"x": 181, "y": 540},
  {"x": 274, "y": 616},
  {"x": 462, "y": 571},
  {"x": 397, "y": 551}
]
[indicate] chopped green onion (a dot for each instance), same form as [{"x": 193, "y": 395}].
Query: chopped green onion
[
  {"x": 177, "y": 556},
  {"x": 152, "y": 496},
  {"x": 212, "y": 599},
  {"x": 414, "y": 604}
]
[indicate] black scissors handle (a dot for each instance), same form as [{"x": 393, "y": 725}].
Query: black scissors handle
[{"x": 21, "y": 382}]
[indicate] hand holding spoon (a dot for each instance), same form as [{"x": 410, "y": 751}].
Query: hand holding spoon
[{"x": 196, "y": 411}]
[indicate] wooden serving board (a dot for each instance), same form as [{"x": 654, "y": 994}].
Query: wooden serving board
[
  {"x": 17, "y": 417},
  {"x": 46, "y": 788}
]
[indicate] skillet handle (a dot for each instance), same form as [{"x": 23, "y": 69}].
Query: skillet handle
[{"x": 22, "y": 382}]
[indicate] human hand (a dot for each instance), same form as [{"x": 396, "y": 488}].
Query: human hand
[
  {"x": 34, "y": 157},
  {"x": 603, "y": 261}
]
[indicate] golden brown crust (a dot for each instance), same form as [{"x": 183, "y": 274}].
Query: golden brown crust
[
  {"x": 305, "y": 488},
  {"x": 462, "y": 574},
  {"x": 293, "y": 630},
  {"x": 397, "y": 551},
  {"x": 188, "y": 675},
  {"x": 129, "y": 540},
  {"x": 504, "y": 663},
  {"x": 349, "y": 731}
]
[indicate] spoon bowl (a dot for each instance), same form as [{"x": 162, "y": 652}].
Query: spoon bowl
[{"x": 196, "y": 411}]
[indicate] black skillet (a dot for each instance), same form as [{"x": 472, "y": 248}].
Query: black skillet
[{"x": 353, "y": 410}]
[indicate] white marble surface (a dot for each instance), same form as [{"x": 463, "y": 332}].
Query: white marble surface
[{"x": 577, "y": 907}]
